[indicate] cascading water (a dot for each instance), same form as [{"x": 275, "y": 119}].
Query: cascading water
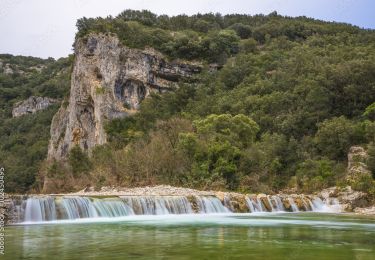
[
  {"x": 293, "y": 205},
  {"x": 76, "y": 207},
  {"x": 279, "y": 203},
  {"x": 250, "y": 204},
  {"x": 40, "y": 209},
  {"x": 255, "y": 204},
  {"x": 306, "y": 203},
  {"x": 111, "y": 208},
  {"x": 260, "y": 206},
  {"x": 210, "y": 205},
  {"x": 270, "y": 203},
  {"x": 48, "y": 208},
  {"x": 158, "y": 205},
  {"x": 329, "y": 205}
]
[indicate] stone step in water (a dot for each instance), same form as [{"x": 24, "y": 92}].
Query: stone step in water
[{"x": 53, "y": 208}]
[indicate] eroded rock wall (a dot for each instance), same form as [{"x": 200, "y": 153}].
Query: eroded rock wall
[
  {"x": 32, "y": 105},
  {"x": 108, "y": 81}
]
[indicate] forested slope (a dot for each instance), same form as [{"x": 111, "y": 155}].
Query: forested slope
[
  {"x": 278, "y": 104},
  {"x": 24, "y": 140}
]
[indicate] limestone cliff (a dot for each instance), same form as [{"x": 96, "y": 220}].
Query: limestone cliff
[
  {"x": 357, "y": 166},
  {"x": 32, "y": 105},
  {"x": 108, "y": 81}
]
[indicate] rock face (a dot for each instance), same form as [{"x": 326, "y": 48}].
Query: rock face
[
  {"x": 365, "y": 211},
  {"x": 108, "y": 81},
  {"x": 32, "y": 105},
  {"x": 8, "y": 210},
  {"x": 347, "y": 197},
  {"x": 357, "y": 157}
]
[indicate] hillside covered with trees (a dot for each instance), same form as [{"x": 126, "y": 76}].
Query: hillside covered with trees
[
  {"x": 24, "y": 140},
  {"x": 277, "y": 106}
]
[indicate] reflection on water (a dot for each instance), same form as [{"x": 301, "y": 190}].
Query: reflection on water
[{"x": 226, "y": 236}]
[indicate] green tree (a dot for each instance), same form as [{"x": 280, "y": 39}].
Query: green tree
[
  {"x": 79, "y": 161},
  {"x": 370, "y": 112},
  {"x": 239, "y": 130},
  {"x": 335, "y": 136},
  {"x": 315, "y": 175}
]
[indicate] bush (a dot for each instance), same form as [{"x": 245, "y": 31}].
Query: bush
[
  {"x": 364, "y": 183},
  {"x": 335, "y": 136},
  {"x": 371, "y": 158},
  {"x": 79, "y": 161},
  {"x": 315, "y": 175}
]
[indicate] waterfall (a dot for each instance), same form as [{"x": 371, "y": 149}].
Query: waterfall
[
  {"x": 210, "y": 204},
  {"x": 158, "y": 205},
  {"x": 255, "y": 205},
  {"x": 111, "y": 208},
  {"x": 49, "y": 208},
  {"x": 293, "y": 205},
  {"x": 250, "y": 204},
  {"x": 228, "y": 203},
  {"x": 329, "y": 205},
  {"x": 305, "y": 205},
  {"x": 269, "y": 202},
  {"x": 40, "y": 209},
  {"x": 77, "y": 207},
  {"x": 261, "y": 208},
  {"x": 279, "y": 203}
]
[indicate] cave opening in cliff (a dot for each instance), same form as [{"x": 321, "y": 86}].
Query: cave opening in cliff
[{"x": 130, "y": 92}]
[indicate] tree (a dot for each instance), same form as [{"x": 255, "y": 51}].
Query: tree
[
  {"x": 370, "y": 112},
  {"x": 242, "y": 30},
  {"x": 248, "y": 45},
  {"x": 315, "y": 175},
  {"x": 371, "y": 158},
  {"x": 239, "y": 130},
  {"x": 79, "y": 161},
  {"x": 335, "y": 136}
]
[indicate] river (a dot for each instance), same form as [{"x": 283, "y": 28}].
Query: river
[{"x": 307, "y": 235}]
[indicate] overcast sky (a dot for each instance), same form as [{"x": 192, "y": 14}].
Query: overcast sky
[{"x": 46, "y": 28}]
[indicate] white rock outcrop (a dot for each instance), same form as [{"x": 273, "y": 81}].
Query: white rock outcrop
[
  {"x": 108, "y": 81},
  {"x": 32, "y": 105}
]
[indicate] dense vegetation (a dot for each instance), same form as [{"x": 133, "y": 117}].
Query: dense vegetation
[
  {"x": 290, "y": 97},
  {"x": 211, "y": 37},
  {"x": 293, "y": 95},
  {"x": 24, "y": 140}
]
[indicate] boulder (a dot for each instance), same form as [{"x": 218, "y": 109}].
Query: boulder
[
  {"x": 236, "y": 202},
  {"x": 286, "y": 203}
]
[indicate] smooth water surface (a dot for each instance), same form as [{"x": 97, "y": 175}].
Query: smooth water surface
[{"x": 211, "y": 236}]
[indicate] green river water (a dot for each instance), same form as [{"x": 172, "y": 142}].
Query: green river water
[{"x": 221, "y": 236}]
